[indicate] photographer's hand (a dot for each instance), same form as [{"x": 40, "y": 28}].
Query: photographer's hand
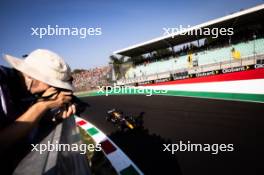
[
  {"x": 60, "y": 99},
  {"x": 69, "y": 111},
  {"x": 57, "y": 99},
  {"x": 50, "y": 92}
]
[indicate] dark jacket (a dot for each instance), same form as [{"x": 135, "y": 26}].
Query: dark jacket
[{"x": 14, "y": 98}]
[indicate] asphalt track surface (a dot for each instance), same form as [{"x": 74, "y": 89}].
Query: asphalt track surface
[{"x": 169, "y": 119}]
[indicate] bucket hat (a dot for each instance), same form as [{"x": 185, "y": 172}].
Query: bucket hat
[{"x": 45, "y": 66}]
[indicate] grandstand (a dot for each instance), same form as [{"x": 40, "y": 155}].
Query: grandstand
[
  {"x": 190, "y": 56},
  {"x": 202, "y": 57}
]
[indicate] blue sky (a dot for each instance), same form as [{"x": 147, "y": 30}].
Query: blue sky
[{"x": 123, "y": 24}]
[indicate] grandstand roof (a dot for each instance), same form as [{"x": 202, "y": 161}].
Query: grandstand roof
[{"x": 236, "y": 19}]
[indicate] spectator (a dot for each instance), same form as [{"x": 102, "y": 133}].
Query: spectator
[{"x": 84, "y": 80}]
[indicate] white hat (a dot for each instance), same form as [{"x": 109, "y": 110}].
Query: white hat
[{"x": 45, "y": 66}]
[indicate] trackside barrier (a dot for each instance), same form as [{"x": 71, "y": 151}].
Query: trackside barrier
[
  {"x": 57, "y": 162},
  {"x": 121, "y": 163},
  {"x": 245, "y": 61}
]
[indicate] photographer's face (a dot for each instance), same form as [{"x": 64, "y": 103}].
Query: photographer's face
[
  {"x": 38, "y": 87},
  {"x": 34, "y": 86}
]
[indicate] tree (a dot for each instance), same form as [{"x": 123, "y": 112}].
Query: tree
[
  {"x": 164, "y": 52},
  {"x": 117, "y": 62},
  {"x": 76, "y": 71}
]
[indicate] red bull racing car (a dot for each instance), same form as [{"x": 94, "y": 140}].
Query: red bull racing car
[{"x": 122, "y": 121}]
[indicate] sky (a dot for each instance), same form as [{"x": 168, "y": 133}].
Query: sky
[{"x": 122, "y": 23}]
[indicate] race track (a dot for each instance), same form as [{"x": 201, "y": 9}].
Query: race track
[{"x": 170, "y": 119}]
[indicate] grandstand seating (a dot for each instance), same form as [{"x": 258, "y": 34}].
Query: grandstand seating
[{"x": 204, "y": 57}]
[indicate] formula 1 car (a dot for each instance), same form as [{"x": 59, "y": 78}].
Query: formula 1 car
[{"x": 122, "y": 121}]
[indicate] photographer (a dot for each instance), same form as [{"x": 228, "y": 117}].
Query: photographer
[{"x": 41, "y": 76}]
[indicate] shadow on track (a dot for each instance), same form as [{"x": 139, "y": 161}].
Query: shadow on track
[{"x": 146, "y": 150}]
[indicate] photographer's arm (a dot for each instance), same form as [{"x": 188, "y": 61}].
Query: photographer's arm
[{"x": 23, "y": 124}]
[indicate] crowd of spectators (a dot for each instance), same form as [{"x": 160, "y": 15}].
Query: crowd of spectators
[{"x": 85, "y": 80}]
